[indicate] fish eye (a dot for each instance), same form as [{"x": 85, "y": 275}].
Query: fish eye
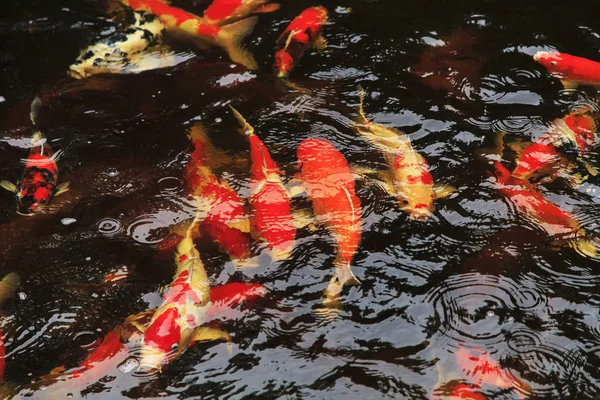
[
  {"x": 405, "y": 202},
  {"x": 175, "y": 347},
  {"x": 43, "y": 201},
  {"x": 553, "y": 63}
]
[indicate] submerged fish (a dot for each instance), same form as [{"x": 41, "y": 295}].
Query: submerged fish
[
  {"x": 186, "y": 26},
  {"x": 8, "y": 287},
  {"x": 135, "y": 49},
  {"x": 325, "y": 175},
  {"x": 272, "y": 219},
  {"x": 221, "y": 12},
  {"x": 567, "y": 140},
  {"x": 38, "y": 184},
  {"x": 571, "y": 70},
  {"x": 225, "y": 218},
  {"x": 408, "y": 177},
  {"x": 304, "y": 32}
]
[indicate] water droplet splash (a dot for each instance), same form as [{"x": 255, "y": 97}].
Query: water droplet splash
[
  {"x": 68, "y": 221},
  {"x": 109, "y": 226}
]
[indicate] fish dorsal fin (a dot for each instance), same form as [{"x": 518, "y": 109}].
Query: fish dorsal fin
[{"x": 36, "y": 106}]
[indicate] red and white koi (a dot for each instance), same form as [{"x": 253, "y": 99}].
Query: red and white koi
[
  {"x": 408, "y": 177},
  {"x": 571, "y": 70},
  {"x": 325, "y": 175},
  {"x": 304, "y": 32},
  {"x": 574, "y": 133},
  {"x": 187, "y": 26},
  {"x": 272, "y": 219}
]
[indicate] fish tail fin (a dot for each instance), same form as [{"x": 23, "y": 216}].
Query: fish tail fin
[
  {"x": 587, "y": 247},
  {"x": 231, "y": 38},
  {"x": 361, "y": 113},
  {"x": 246, "y": 129},
  {"x": 343, "y": 276},
  {"x": 34, "y": 112}
]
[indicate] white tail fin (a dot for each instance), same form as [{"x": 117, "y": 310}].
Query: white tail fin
[{"x": 231, "y": 38}]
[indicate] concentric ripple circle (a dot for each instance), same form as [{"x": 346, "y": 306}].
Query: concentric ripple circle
[
  {"x": 475, "y": 307},
  {"x": 109, "y": 226}
]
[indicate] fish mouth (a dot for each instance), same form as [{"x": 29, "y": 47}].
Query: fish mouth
[
  {"x": 31, "y": 214},
  {"x": 75, "y": 74},
  {"x": 539, "y": 55}
]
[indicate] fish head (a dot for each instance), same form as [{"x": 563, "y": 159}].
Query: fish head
[
  {"x": 34, "y": 191},
  {"x": 552, "y": 61},
  {"x": 418, "y": 210},
  {"x": 161, "y": 339},
  {"x": 284, "y": 62}
]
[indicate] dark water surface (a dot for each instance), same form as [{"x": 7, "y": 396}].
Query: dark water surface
[{"x": 479, "y": 276}]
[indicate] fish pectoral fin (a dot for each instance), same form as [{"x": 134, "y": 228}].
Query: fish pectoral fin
[
  {"x": 139, "y": 321},
  {"x": 231, "y": 38},
  {"x": 363, "y": 173},
  {"x": 591, "y": 169},
  {"x": 568, "y": 84},
  {"x": 156, "y": 58},
  {"x": 442, "y": 191},
  {"x": 246, "y": 263},
  {"x": 518, "y": 146},
  {"x": 305, "y": 219},
  {"x": 206, "y": 334},
  {"x": 267, "y": 8},
  {"x": 586, "y": 247},
  {"x": 320, "y": 43},
  {"x": 11, "y": 187},
  {"x": 62, "y": 188}
]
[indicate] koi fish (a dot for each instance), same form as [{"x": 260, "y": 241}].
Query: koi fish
[
  {"x": 221, "y": 12},
  {"x": 325, "y": 175},
  {"x": 186, "y": 26},
  {"x": 408, "y": 177},
  {"x": 571, "y": 70},
  {"x": 304, "y": 32},
  {"x": 113, "y": 350},
  {"x": 272, "y": 218},
  {"x": 8, "y": 287},
  {"x": 225, "y": 217},
  {"x": 465, "y": 392},
  {"x": 572, "y": 134},
  {"x": 137, "y": 48},
  {"x": 38, "y": 184},
  {"x": 482, "y": 369}
]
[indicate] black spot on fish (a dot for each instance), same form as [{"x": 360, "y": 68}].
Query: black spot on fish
[
  {"x": 97, "y": 62},
  {"x": 130, "y": 31},
  {"x": 148, "y": 36},
  {"x": 116, "y": 38},
  {"x": 89, "y": 54},
  {"x": 77, "y": 62},
  {"x": 147, "y": 18}
]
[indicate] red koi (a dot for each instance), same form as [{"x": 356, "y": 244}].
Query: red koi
[
  {"x": 326, "y": 176},
  {"x": 187, "y": 26},
  {"x": 226, "y": 219},
  {"x": 482, "y": 369},
  {"x": 465, "y": 392},
  {"x": 543, "y": 157},
  {"x": 304, "y": 32},
  {"x": 531, "y": 204},
  {"x": 272, "y": 219},
  {"x": 571, "y": 70},
  {"x": 221, "y": 12}
]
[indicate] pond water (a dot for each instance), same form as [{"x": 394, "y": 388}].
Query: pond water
[{"x": 478, "y": 295}]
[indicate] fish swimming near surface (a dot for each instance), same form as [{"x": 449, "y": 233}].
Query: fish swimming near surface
[
  {"x": 563, "y": 146},
  {"x": 189, "y": 27},
  {"x": 115, "y": 348},
  {"x": 222, "y": 12},
  {"x": 571, "y": 70},
  {"x": 325, "y": 175},
  {"x": 225, "y": 218},
  {"x": 272, "y": 218},
  {"x": 408, "y": 177},
  {"x": 39, "y": 183},
  {"x": 304, "y": 32},
  {"x": 137, "y": 48}
]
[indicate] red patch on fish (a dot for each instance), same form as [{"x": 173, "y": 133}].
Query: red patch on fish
[
  {"x": 164, "y": 331},
  {"x": 110, "y": 346}
]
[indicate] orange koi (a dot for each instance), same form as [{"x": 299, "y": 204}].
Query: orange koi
[
  {"x": 221, "y": 12},
  {"x": 408, "y": 177},
  {"x": 482, "y": 369},
  {"x": 38, "y": 184},
  {"x": 325, "y": 175},
  {"x": 571, "y": 70},
  {"x": 272, "y": 219},
  {"x": 304, "y": 32},
  {"x": 225, "y": 217},
  {"x": 575, "y": 133},
  {"x": 184, "y": 25}
]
